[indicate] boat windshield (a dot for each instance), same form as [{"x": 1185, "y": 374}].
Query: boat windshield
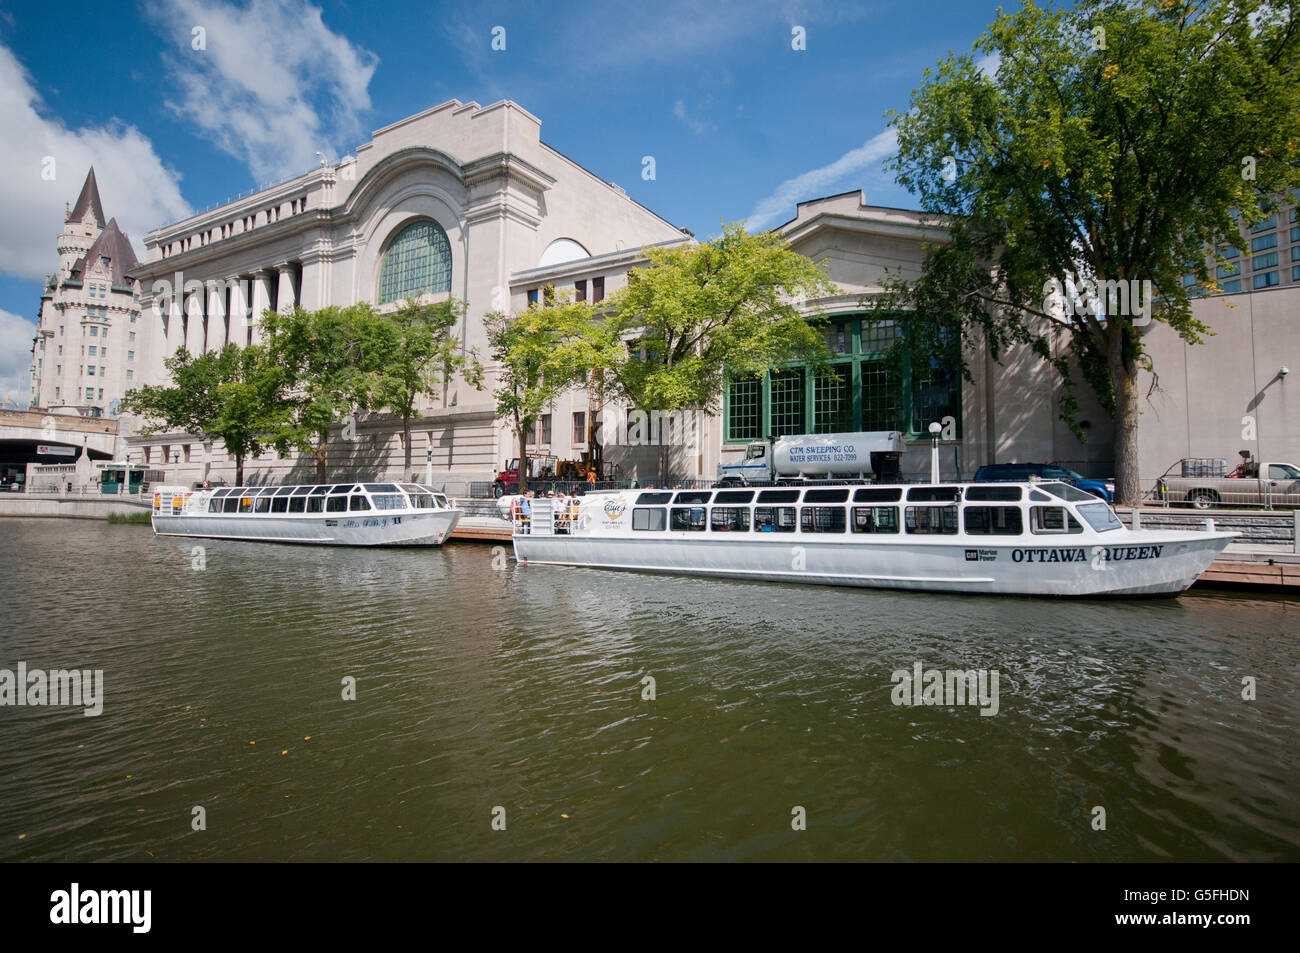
[
  {"x": 1071, "y": 494},
  {"x": 1099, "y": 516}
]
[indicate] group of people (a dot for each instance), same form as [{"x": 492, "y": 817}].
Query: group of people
[{"x": 565, "y": 508}]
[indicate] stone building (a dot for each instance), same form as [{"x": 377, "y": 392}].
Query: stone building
[
  {"x": 450, "y": 202},
  {"x": 87, "y": 350}
]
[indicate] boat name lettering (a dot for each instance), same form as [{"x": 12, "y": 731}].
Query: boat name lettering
[{"x": 1108, "y": 553}]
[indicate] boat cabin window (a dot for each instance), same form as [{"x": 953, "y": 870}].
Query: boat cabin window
[
  {"x": 297, "y": 504},
  {"x": 230, "y": 504},
  {"x": 822, "y": 519},
  {"x": 875, "y": 519},
  {"x": 1052, "y": 519},
  {"x": 688, "y": 518},
  {"x": 315, "y": 504},
  {"x": 214, "y": 505},
  {"x": 359, "y": 502},
  {"x": 1039, "y": 497},
  {"x": 301, "y": 490},
  {"x": 280, "y": 504},
  {"x": 993, "y": 520},
  {"x": 826, "y": 496},
  {"x": 267, "y": 491},
  {"x": 774, "y": 519},
  {"x": 930, "y": 520},
  {"x": 441, "y": 501},
  {"x": 423, "y": 501},
  {"x": 734, "y": 496},
  {"x": 778, "y": 496},
  {"x": 319, "y": 490},
  {"x": 262, "y": 504},
  {"x": 1071, "y": 494},
  {"x": 390, "y": 501},
  {"x": 934, "y": 494},
  {"x": 284, "y": 491},
  {"x": 336, "y": 504},
  {"x": 245, "y": 504},
  {"x": 878, "y": 494},
  {"x": 1100, "y": 516},
  {"x": 649, "y": 518},
  {"x": 992, "y": 494},
  {"x": 648, "y": 498},
  {"x": 693, "y": 496},
  {"x": 382, "y": 487},
  {"x": 224, "y": 492},
  {"x": 729, "y": 519},
  {"x": 343, "y": 488}
]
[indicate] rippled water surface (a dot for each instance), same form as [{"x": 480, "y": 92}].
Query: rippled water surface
[{"x": 481, "y": 688}]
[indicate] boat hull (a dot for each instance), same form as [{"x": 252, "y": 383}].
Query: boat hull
[
  {"x": 342, "y": 529},
  {"x": 1140, "y": 565}
]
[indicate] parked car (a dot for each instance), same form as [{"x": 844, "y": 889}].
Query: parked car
[
  {"x": 1207, "y": 482},
  {"x": 1020, "y": 472}
]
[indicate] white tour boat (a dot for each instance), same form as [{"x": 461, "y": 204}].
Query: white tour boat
[
  {"x": 1029, "y": 539},
  {"x": 340, "y": 514}
]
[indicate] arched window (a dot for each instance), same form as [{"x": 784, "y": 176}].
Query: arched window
[{"x": 417, "y": 262}]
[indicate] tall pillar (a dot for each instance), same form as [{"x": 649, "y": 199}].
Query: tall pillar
[
  {"x": 216, "y": 338},
  {"x": 311, "y": 292},
  {"x": 194, "y": 320},
  {"x": 175, "y": 322},
  {"x": 236, "y": 312},
  {"x": 261, "y": 301},
  {"x": 284, "y": 299}
]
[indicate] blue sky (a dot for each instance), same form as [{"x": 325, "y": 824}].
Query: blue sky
[{"x": 740, "y": 125}]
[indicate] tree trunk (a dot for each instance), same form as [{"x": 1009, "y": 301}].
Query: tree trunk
[
  {"x": 239, "y": 469},
  {"x": 406, "y": 438},
  {"x": 523, "y": 457},
  {"x": 1124, "y": 378},
  {"x": 320, "y": 453},
  {"x": 664, "y": 463}
]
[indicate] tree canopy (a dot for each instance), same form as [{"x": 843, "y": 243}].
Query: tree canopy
[{"x": 1114, "y": 141}]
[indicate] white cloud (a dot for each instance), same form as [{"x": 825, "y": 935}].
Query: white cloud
[
  {"x": 988, "y": 65},
  {"x": 695, "y": 124},
  {"x": 135, "y": 186},
  {"x": 780, "y": 204},
  {"x": 15, "y": 359},
  {"x": 273, "y": 85}
]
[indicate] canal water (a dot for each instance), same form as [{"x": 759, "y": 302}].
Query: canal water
[{"x": 530, "y": 713}]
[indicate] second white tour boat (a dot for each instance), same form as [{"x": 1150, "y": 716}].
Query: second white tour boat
[
  {"x": 339, "y": 514},
  {"x": 1030, "y": 539}
]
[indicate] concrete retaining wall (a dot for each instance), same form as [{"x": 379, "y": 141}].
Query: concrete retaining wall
[{"x": 70, "y": 507}]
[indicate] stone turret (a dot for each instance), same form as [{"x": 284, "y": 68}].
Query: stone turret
[{"x": 81, "y": 225}]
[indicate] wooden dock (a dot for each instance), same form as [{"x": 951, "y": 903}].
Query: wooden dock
[
  {"x": 482, "y": 529},
  {"x": 1253, "y": 565}
]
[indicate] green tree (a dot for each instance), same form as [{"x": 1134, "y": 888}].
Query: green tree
[
  {"x": 540, "y": 354},
  {"x": 228, "y": 395},
  {"x": 325, "y": 362},
  {"x": 1114, "y": 142},
  {"x": 700, "y": 314},
  {"x": 415, "y": 352}
]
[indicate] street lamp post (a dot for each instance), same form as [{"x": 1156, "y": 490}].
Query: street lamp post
[
  {"x": 935, "y": 430},
  {"x": 428, "y": 465}
]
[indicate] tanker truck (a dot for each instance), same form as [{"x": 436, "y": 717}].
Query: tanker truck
[{"x": 823, "y": 456}]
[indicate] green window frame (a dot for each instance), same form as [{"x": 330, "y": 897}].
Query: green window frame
[
  {"x": 416, "y": 262},
  {"x": 867, "y": 391}
]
